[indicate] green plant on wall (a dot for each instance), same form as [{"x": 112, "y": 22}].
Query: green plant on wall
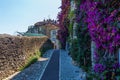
[
  {"x": 46, "y": 46},
  {"x": 74, "y": 49},
  {"x": 77, "y": 2},
  {"x": 80, "y": 48},
  {"x": 71, "y": 14},
  {"x": 31, "y": 60},
  {"x": 71, "y": 29},
  {"x": 84, "y": 45}
]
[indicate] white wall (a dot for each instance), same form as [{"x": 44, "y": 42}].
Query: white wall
[{"x": 72, "y": 5}]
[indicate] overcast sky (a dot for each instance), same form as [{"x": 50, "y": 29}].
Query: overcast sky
[{"x": 17, "y": 15}]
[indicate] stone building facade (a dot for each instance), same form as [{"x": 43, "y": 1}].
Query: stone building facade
[{"x": 47, "y": 27}]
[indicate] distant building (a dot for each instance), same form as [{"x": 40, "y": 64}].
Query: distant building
[{"x": 47, "y": 27}]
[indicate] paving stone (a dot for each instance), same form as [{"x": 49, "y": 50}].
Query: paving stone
[
  {"x": 34, "y": 71},
  {"x": 68, "y": 71}
]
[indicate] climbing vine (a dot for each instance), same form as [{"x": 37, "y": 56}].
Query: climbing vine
[
  {"x": 63, "y": 22},
  {"x": 101, "y": 17},
  {"x": 97, "y": 21}
]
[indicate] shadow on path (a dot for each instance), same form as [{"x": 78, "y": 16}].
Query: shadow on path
[{"x": 52, "y": 69}]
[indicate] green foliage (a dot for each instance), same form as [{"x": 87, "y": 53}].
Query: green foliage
[
  {"x": 118, "y": 72},
  {"x": 77, "y": 2},
  {"x": 44, "y": 49},
  {"x": 71, "y": 29},
  {"x": 71, "y": 14},
  {"x": 74, "y": 49},
  {"x": 92, "y": 75},
  {"x": 118, "y": 77},
  {"x": 102, "y": 76},
  {"x": 31, "y": 60},
  {"x": 84, "y": 57},
  {"x": 38, "y": 53},
  {"x": 80, "y": 48},
  {"x": 46, "y": 46}
]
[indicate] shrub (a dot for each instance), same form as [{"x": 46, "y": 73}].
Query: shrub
[
  {"x": 74, "y": 49},
  {"x": 46, "y": 46},
  {"x": 31, "y": 60}
]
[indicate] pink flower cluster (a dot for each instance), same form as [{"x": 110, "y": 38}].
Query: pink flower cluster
[{"x": 100, "y": 25}]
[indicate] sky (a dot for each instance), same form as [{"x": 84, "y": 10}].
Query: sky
[{"x": 17, "y": 15}]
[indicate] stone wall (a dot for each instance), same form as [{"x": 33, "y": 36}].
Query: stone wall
[{"x": 15, "y": 52}]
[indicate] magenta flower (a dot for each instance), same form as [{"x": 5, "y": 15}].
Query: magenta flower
[
  {"x": 116, "y": 66},
  {"x": 99, "y": 68}
]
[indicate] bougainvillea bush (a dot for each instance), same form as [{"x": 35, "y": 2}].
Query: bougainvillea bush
[
  {"x": 102, "y": 17},
  {"x": 63, "y": 22},
  {"x": 80, "y": 46},
  {"x": 97, "y": 21}
]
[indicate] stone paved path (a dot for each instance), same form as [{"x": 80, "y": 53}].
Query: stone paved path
[
  {"x": 35, "y": 70},
  {"x": 58, "y": 66},
  {"x": 68, "y": 71}
]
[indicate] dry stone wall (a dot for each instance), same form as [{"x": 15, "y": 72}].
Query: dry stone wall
[{"x": 15, "y": 51}]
